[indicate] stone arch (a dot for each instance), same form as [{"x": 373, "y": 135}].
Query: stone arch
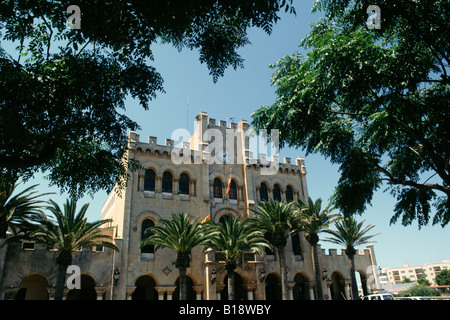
[
  {"x": 191, "y": 295},
  {"x": 33, "y": 287},
  {"x": 239, "y": 290},
  {"x": 301, "y": 287},
  {"x": 145, "y": 288},
  {"x": 87, "y": 291},
  {"x": 363, "y": 281},
  {"x": 222, "y": 212},
  {"x": 273, "y": 286},
  {"x": 337, "y": 287}
]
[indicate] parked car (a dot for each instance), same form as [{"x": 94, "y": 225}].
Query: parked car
[{"x": 379, "y": 296}]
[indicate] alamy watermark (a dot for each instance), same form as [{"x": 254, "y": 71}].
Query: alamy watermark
[
  {"x": 74, "y": 20},
  {"x": 73, "y": 281},
  {"x": 374, "y": 19},
  {"x": 237, "y": 147}
]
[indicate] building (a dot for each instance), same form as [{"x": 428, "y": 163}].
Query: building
[
  {"x": 414, "y": 273},
  {"x": 184, "y": 179}
]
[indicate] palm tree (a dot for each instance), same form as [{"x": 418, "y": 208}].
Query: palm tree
[
  {"x": 68, "y": 233},
  {"x": 350, "y": 234},
  {"x": 313, "y": 220},
  {"x": 233, "y": 238},
  {"x": 181, "y": 235},
  {"x": 277, "y": 220},
  {"x": 17, "y": 212}
]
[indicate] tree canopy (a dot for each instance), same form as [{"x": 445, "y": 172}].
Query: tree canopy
[
  {"x": 62, "y": 89},
  {"x": 373, "y": 101}
]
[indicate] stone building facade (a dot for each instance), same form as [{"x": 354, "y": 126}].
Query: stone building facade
[{"x": 183, "y": 178}]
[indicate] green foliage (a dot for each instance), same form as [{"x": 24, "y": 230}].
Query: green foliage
[
  {"x": 179, "y": 234},
  {"x": 234, "y": 237},
  {"x": 350, "y": 233},
  {"x": 424, "y": 282},
  {"x": 18, "y": 210},
  {"x": 443, "y": 278},
  {"x": 62, "y": 90},
  {"x": 276, "y": 219},
  {"x": 375, "y": 102},
  {"x": 68, "y": 231},
  {"x": 421, "y": 291},
  {"x": 313, "y": 220}
]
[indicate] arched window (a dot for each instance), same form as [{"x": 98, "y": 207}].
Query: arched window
[
  {"x": 149, "y": 180},
  {"x": 296, "y": 247},
  {"x": 147, "y": 223},
  {"x": 263, "y": 194},
  {"x": 289, "y": 194},
  {"x": 167, "y": 182},
  {"x": 277, "y": 192},
  {"x": 233, "y": 190},
  {"x": 217, "y": 188},
  {"x": 184, "y": 184}
]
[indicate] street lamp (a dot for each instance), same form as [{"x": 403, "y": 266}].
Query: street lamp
[
  {"x": 116, "y": 276},
  {"x": 325, "y": 273},
  {"x": 213, "y": 276},
  {"x": 262, "y": 275}
]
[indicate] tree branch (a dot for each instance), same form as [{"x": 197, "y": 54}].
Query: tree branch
[{"x": 411, "y": 183}]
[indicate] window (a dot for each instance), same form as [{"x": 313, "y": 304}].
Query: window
[
  {"x": 277, "y": 193},
  {"x": 296, "y": 248},
  {"x": 233, "y": 190},
  {"x": 147, "y": 223},
  {"x": 263, "y": 194},
  {"x": 289, "y": 194},
  {"x": 184, "y": 184},
  {"x": 149, "y": 180},
  {"x": 167, "y": 182},
  {"x": 27, "y": 245},
  {"x": 217, "y": 188}
]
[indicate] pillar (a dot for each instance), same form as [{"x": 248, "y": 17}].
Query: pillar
[
  {"x": 198, "y": 292},
  {"x": 311, "y": 293},
  {"x": 250, "y": 287}
]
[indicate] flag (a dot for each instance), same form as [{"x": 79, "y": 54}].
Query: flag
[
  {"x": 229, "y": 185},
  {"x": 207, "y": 218}
]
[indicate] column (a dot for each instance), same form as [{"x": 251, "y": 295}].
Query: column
[
  {"x": 219, "y": 288},
  {"x": 176, "y": 185},
  {"x": 198, "y": 292},
  {"x": 250, "y": 287},
  {"x": 129, "y": 293},
  {"x": 329, "y": 292},
  {"x": 161, "y": 291},
  {"x": 347, "y": 291},
  {"x": 170, "y": 290},
  {"x": 311, "y": 293},
  {"x": 100, "y": 293},
  {"x": 291, "y": 290},
  {"x": 158, "y": 182}
]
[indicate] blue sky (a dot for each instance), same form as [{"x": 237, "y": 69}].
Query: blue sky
[{"x": 239, "y": 93}]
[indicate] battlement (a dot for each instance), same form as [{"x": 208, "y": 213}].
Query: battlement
[
  {"x": 197, "y": 147},
  {"x": 341, "y": 252}
]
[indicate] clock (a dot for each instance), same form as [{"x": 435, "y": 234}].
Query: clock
[{"x": 225, "y": 157}]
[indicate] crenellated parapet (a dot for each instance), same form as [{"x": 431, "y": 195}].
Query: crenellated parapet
[{"x": 236, "y": 140}]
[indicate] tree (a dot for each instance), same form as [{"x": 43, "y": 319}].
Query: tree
[
  {"x": 443, "y": 278},
  {"x": 233, "y": 238},
  {"x": 18, "y": 211},
  {"x": 277, "y": 220},
  {"x": 313, "y": 220},
  {"x": 69, "y": 232},
  {"x": 350, "y": 234},
  {"x": 375, "y": 102},
  {"x": 181, "y": 235},
  {"x": 63, "y": 90},
  {"x": 421, "y": 291}
]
